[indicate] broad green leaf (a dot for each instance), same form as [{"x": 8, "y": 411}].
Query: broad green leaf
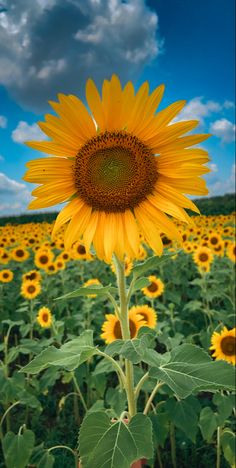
[
  {"x": 228, "y": 443},
  {"x": 97, "y": 289},
  {"x": 148, "y": 336},
  {"x": 160, "y": 424},
  {"x": 114, "y": 445},
  {"x": 183, "y": 415},
  {"x": 225, "y": 405},
  {"x": 104, "y": 366},
  {"x": 17, "y": 448},
  {"x": 152, "y": 263},
  {"x": 208, "y": 423},
  {"x": 190, "y": 368},
  {"x": 70, "y": 356},
  {"x": 114, "y": 348}
]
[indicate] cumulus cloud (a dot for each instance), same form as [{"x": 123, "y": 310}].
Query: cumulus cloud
[
  {"x": 3, "y": 121},
  {"x": 53, "y": 46},
  {"x": 198, "y": 109},
  {"x": 24, "y": 132},
  {"x": 221, "y": 186},
  {"x": 223, "y": 129},
  {"x": 213, "y": 167},
  {"x": 14, "y": 195}
]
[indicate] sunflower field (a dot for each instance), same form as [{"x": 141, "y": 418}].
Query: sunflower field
[{"x": 62, "y": 352}]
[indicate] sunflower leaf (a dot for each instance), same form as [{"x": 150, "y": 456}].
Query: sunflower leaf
[
  {"x": 191, "y": 369},
  {"x": 140, "y": 283},
  {"x": 107, "y": 444},
  {"x": 152, "y": 263},
  {"x": 70, "y": 356},
  {"x": 96, "y": 289},
  {"x": 17, "y": 448}
]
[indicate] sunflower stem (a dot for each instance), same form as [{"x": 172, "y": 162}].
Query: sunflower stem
[
  {"x": 124, "y": 321},
  {"x": 218, "y": 447}
]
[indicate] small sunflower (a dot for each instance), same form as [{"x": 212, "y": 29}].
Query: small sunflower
[
  {"x": 60, "y": 263},
  {"x": 123, "y": 168},
  {"x": 79, "y": 252},
  {"x": 19, "y": 254},
  {"x": 30, "y": 289},
  {"x": 92, "y": 282},
  {"x": 203, "y": 256},
  {"x": 214, "y": 240},
  {"x": 51, "y": 268},
  {"x": 33, "y": 275},
  {"x": 4, "y": 256},
  {"x": 43, "y": 257},
  {"x": 224, "y": 345},
  {"x": 231, "y": 251},
  {"x": 112, "y": 329},
  {"x": 155, "y": 288},
  {"x": 6, "y": 276},
  {"x": 44, "y": 317},
  {"x": 147, "y": 313},
  {"x": 128, "y": 266}
]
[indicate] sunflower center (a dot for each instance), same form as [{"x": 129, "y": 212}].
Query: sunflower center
[
  {"x": 31, "y": 289},
  {"x": 228, "y": 345},
  {"x": 203, "y": 257},
  {"x": 20, "y": 253},
  {"x": 44, "y": 259},
  {"x": 45, "y": 317},
  {"x": 214, "y": 240},
  {"x": 114, "y": 171},
  {"x": 153, "y": 287}
]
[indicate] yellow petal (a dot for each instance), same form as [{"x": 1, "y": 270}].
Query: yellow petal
[
  {"x": 192, "y": 186},
  {"x": 110, "y": 235},
  {"x": 162, "y": 221},
  {"x": 50, "y": 147},
  {"x": 95, "y": 103},
  {"x": 172, "y": 194},
  {"x": 170, "y": 134},
  {"x": 77, "y": 225},
  {"x": 90, "y": 230},
  {"x": 149, "y": 229},
  {"x": 168, "y": 207},
  {"x": 67, "y": 213}
]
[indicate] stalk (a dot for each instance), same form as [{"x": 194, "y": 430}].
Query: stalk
[
  {"x": 124, "y": 321},
  {"x": 218, "y": 447}
]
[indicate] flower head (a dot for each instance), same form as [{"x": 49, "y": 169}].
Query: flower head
[
  {"x": 223, "y": 345},
  {"x": 112, "y": 328},
  {"x": 122, "y": 169},
  {"x": 44, "y": 317}
]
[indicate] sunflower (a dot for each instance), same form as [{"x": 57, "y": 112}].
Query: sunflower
[
  {"x": 6, "y": 276},
  {"x": 44, "y": 317},
  {"x": 19, "y": 254},
  {"x": 112, "y": 330},
  {"x": 203, "y": 257},
  {"x": 155, "y": 288},
  {"x": 231, "y": 251},
  {"x": 122, "y": 170},
  {"x": 92, "y": 282},
  {"x": 51, "y": 268},
  {"x": 43, "y": 257},
  {"x": 30, "y": 289},
  {"x": 214, "y": 240},
  {"x": 79, "y": 252},
  {"x": 147, "y": 313},
  {"x": 224, "y": 345},
  {"x": 33, "y": 275},
  {"x": 60, "y": 263}
]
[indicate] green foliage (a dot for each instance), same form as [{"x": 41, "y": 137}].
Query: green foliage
[
  {"x": 113, "y": 445},
  {"x": 17, "y": 448}
]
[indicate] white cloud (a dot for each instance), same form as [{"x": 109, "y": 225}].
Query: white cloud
[
  {"x": 223, "y": 129},
  {"x": 198, "y": 109},
  {"x": 25, "y": 132},
  {"x": 14, "y": 195},
  {"x": 213, "y": 167},
  {"x": 3, "y": 121},
  {"x": 51, "y": 46},
  {"x": 2, "y": 158},
  {"x": 220, "y": 187}
]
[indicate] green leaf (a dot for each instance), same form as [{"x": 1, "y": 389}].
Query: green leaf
[
  {"x": 114, "y": 348},
  {"x": 114, "y": 445},
  {"x": 97, "y": 289},
  {"x": 152, "y": 263},
  {"x": 225, "y": 405},
  {"x": 140, "y": 283},
  {"x": 160, "y": 424},
  {"x": 208, "y": 423},
  {"x": 70, "y": 356},
  {"x": 228, "y": 442},
  {"x": 190, "y": 368},
  {"x": 46, "y": 461},
  {"x": 184, "y": 417},
  {"x": 17, "y": 449}
]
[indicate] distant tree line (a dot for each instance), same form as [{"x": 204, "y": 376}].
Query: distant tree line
[{"x": 208, "y": 206}]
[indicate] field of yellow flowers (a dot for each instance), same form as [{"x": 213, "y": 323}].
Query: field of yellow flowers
[{"x": 185, "y": 298}]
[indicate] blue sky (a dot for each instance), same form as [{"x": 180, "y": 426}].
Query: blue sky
[{"x": 50, "y": 46}]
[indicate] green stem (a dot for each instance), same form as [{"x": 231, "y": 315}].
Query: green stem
[
  {"x": 173, "y": 445},
  {"x": 149, "y": 402},
  {"x": 218, "y": 447},
  {"x": 124, "y": 321},
  {"x": 67, "y": 448},
  {"x": 119, "y": 371},
  {"x": 5, "y": 416},
  {"x": 79, "y": 393},
  {"x": 140, "y": 384},
  {"x": 159, "y": 458}
]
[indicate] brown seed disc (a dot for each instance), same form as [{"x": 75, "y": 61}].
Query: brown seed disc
[{"x": 114, "y": 171}]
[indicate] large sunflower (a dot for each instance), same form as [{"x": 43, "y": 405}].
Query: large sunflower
[
  {"x": 224, "y": 345},
  {"x": 112, "y": 329},
  {"x": 122, "y": 169}
]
